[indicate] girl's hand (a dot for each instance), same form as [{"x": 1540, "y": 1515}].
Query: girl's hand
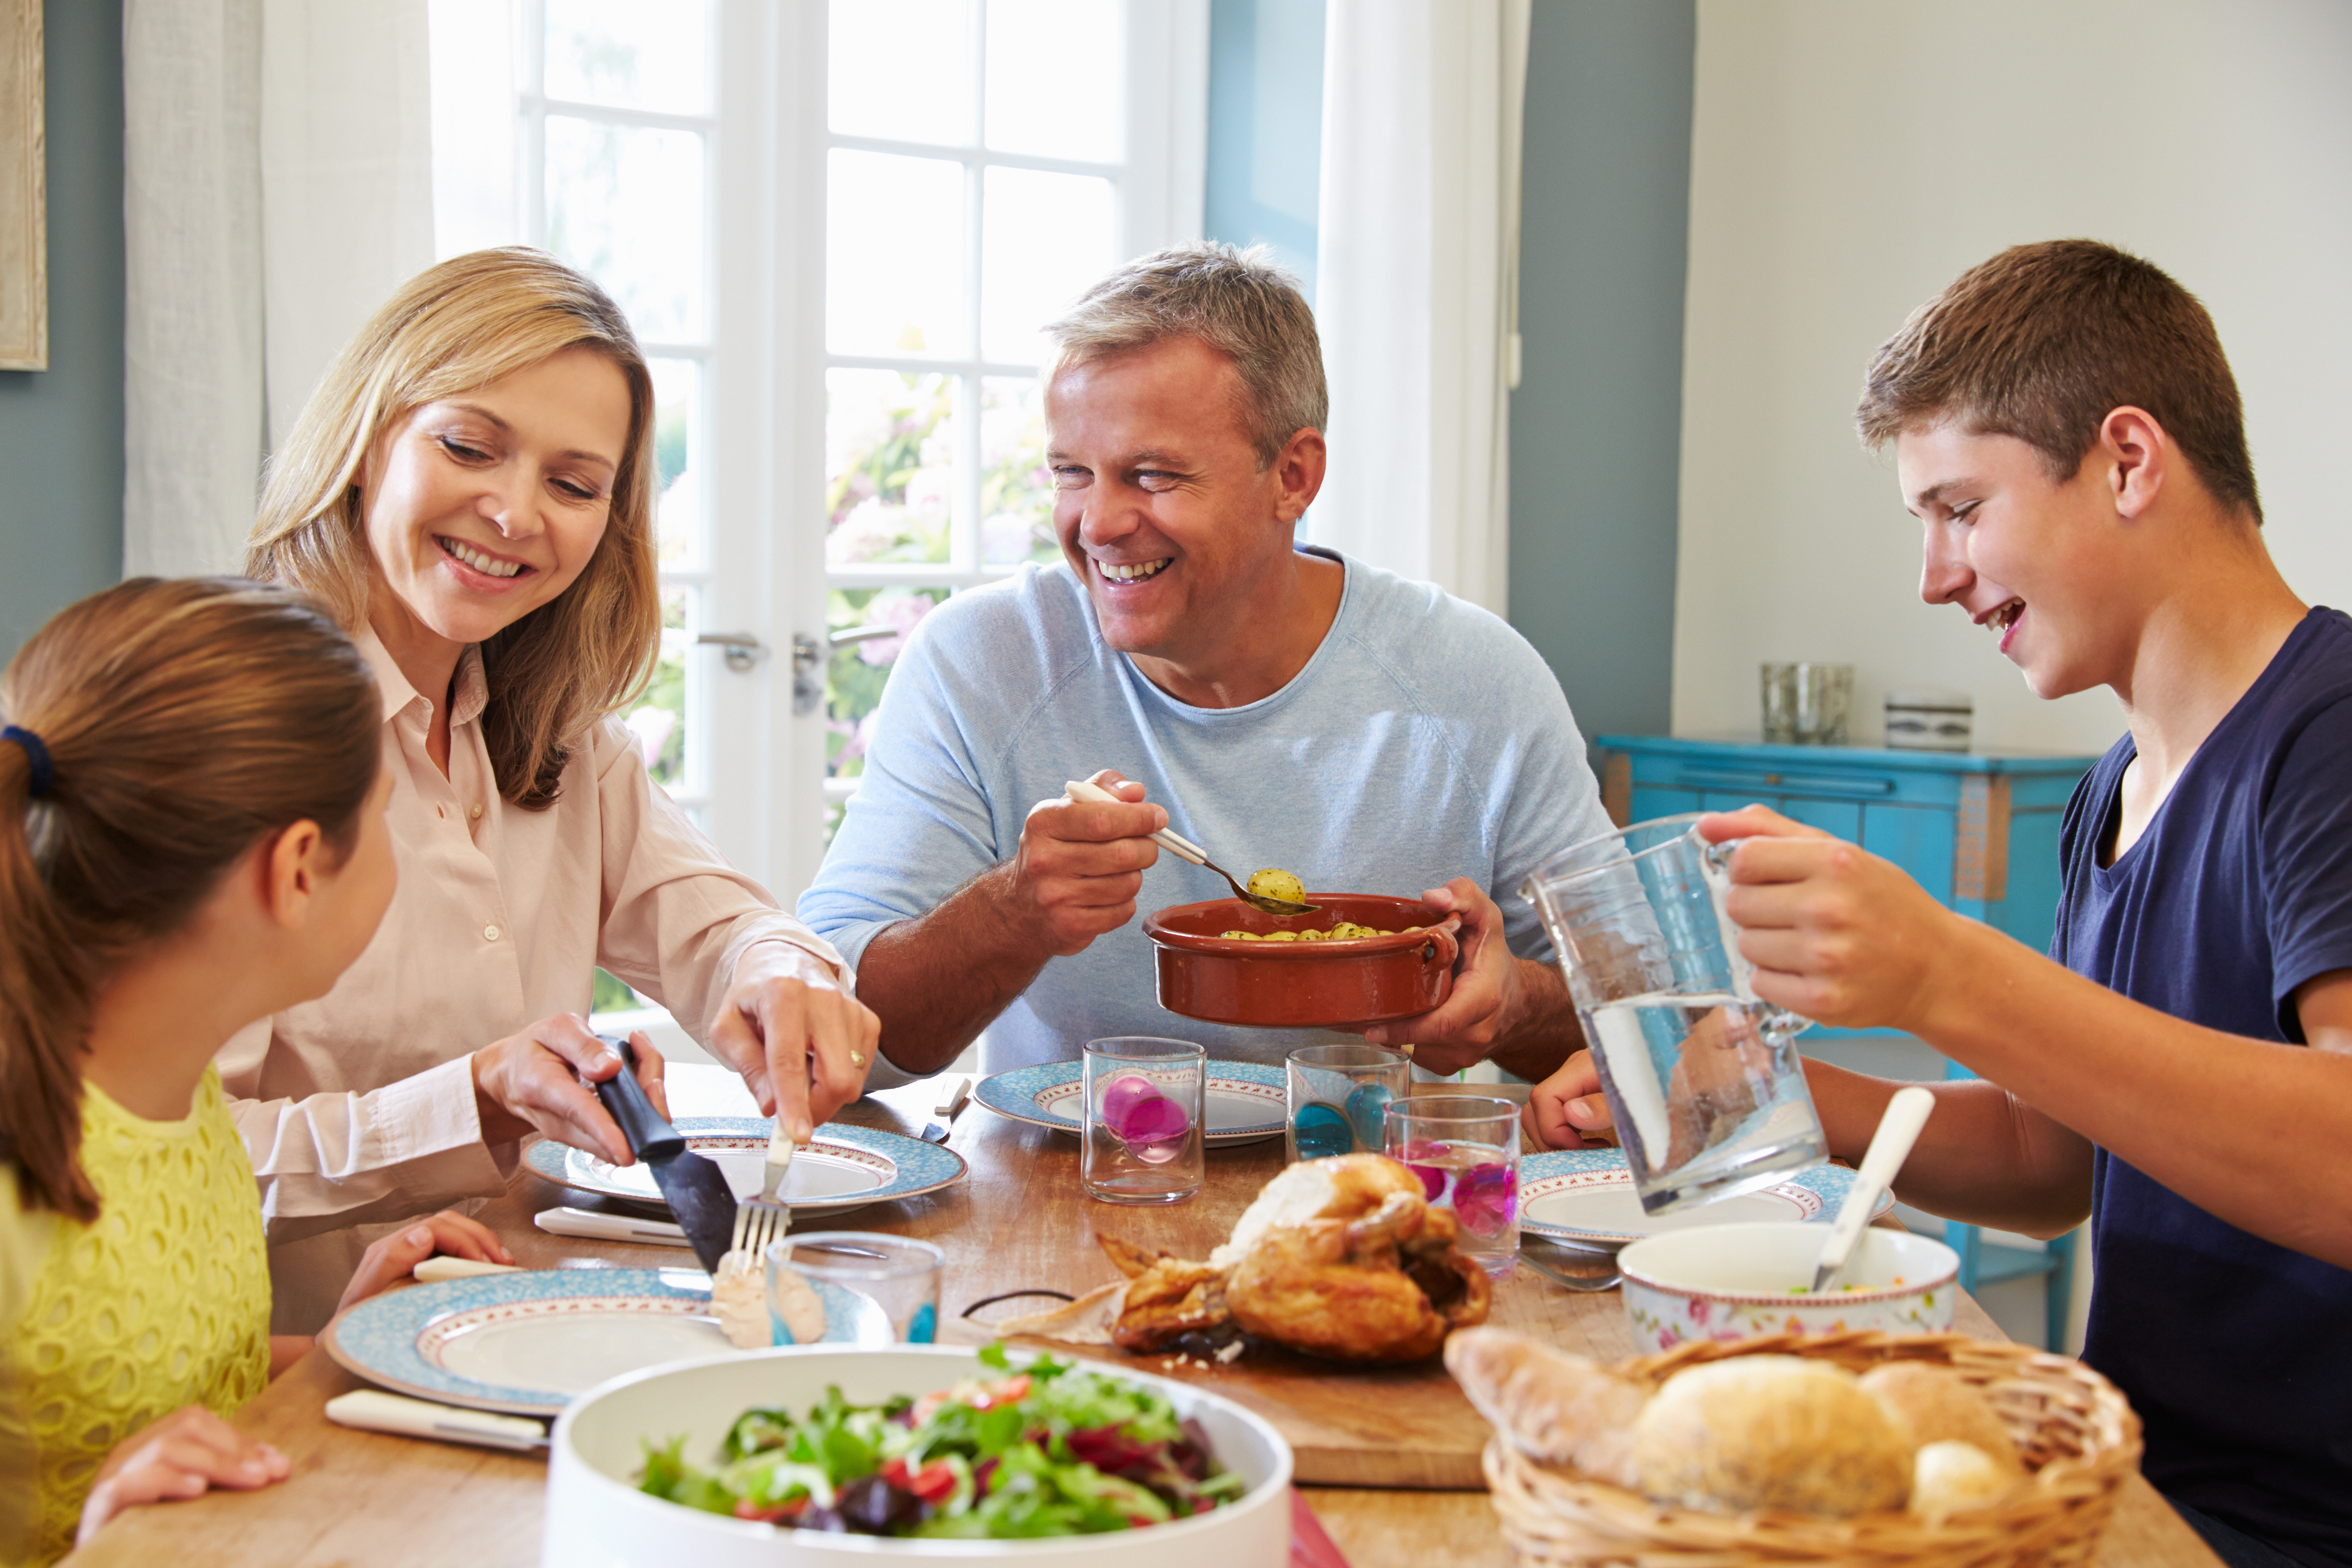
[
  {"x": 396, "y": 1255},
  {"x": 1566, "y": 1110},
  {"x": 183, "y": 1456}
]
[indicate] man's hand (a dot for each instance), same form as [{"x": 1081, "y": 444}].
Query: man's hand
[
  {"x": 1835, "y": 932},
  {"x": 181, "y": 1455},
  {"x": 1489, "y": 999},
  {"x": 530, "y": 1082},
  {"x": 803, "y": 1043},
  {"x": 396, "y": 1256},
  {"x": 1081, "y": 864},
  {"x": 1566, "y": 1111}
]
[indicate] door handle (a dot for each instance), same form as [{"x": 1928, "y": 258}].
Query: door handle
[{"x": 744, "y": 651}]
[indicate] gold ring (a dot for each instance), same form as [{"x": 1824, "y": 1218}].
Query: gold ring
[{"x": 857, "y": 1059}]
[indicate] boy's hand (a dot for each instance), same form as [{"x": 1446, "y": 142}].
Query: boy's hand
[
  {"x": 396, "y": 1256},
  {"x": 181, "y": 1455},
  {"x": 1835, "y": 932},
  {"x": 1566, "y": 1110}
]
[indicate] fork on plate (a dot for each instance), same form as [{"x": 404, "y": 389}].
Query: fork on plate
[{"x": 763, "y": 1221}]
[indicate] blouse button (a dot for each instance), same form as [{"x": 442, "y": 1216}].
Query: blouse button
[
  {"x": 490, "y": 933},
  {"x": 476, "y": 812}
]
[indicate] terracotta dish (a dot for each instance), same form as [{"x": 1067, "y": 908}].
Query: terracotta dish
[{"x": 1304, "y": 985}]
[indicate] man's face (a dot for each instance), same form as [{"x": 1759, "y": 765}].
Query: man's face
[
  {"x": 1159, "y": 500},
  {"x": 2031, "y": 560}
]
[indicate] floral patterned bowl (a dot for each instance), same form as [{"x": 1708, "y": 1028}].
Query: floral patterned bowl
[{"x": 1731, "y": 1281}]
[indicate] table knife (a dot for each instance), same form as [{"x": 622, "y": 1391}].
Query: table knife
[
  {"x": 700, "y": 1199},
  {"x": 375, "y": 1410}
]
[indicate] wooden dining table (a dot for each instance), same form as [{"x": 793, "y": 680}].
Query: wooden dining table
[{"x": 1018, "y": 1221}]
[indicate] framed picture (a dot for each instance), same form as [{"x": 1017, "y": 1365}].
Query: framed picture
[{"x": 24, "y": 193}]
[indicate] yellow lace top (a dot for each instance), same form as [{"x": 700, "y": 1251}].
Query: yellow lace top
[{"x": 163, "y": 1301}]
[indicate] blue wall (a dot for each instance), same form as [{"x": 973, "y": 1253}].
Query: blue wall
[
  {"x": 1596, "y": 423},
  {"x": 61, "y": 428},
  {"x": 1266, "y": 127}
]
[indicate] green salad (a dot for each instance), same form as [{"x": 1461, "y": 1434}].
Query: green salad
[{"x": 1045, "y": 1450}]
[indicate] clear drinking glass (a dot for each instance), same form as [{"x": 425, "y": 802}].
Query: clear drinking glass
[
  {"x": 1465, "y": 1150},
  {"x": 1703, "y": 1077},
  {"x": 898, "y": 1273},
  {"x": 1335, "y": 1095},
  {"x": 1779, "y": 684},
  {"x": 1145, "y": 1097}
]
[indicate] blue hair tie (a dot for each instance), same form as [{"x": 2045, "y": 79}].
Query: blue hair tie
[{"x": 45, "y": 773}]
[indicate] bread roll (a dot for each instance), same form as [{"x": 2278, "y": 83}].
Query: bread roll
[
  {"x": 1935, "y": 1404},
  {"x": 1950, "y": 1477},
  {"x": 1769, "y": 1432},
  {"x": 1563, "y": 1408}
]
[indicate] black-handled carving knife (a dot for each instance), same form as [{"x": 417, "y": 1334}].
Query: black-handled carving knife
[{"x": 699, "y": 1198}]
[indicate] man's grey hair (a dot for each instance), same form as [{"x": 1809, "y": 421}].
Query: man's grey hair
[{"x": 1236, "y": 301}]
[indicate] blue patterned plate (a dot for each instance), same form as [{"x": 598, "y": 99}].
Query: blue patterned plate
[
  {"x": 1586, "y": 1195},
  {"x": 842, "y": 1169},
  {"x": 1245, "y": 1099},
  {"x": 527, "y": 1343}
]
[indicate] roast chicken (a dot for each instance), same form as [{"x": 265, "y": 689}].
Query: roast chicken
[{"x": 1341, "y": 1258}]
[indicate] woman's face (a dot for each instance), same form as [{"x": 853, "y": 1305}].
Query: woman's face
[{"x": 483, "y": 507}]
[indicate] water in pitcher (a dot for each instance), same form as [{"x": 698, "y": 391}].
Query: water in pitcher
[{"x": 1707, "y": 1104}]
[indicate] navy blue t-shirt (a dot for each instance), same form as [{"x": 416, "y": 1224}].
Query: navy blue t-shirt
[{"x": 2237, "y": 1354}]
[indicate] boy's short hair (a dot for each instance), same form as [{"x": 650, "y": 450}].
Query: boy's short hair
[
  {"x": 2042, "y": 342},
  {"x": 1236, "y": 301}
]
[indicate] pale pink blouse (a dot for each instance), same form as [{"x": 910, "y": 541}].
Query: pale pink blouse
[{"x": 358, "y": 1108}]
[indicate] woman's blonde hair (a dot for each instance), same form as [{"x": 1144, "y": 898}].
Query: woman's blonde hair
[
  {"x": 167, "y": 726},
  {"x": 453, "y": 328}
]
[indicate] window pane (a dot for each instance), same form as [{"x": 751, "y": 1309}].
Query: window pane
[
  {"x": 630, "y": 55},
  {"x": 625, "y": 206},
  {"x": 1055, "y": 69},
  {"x": 1016, "y": 498},
  {"x": 894, "y": 255},
  {"x": 901, "y": 69},
  {"x": 1045, "y": 240},
  {"x": 659, "y": 719},
  {"x": 855, "y": 676},
  {"x": 678, "y": 462},
  {"x": 889, "y": 464}
]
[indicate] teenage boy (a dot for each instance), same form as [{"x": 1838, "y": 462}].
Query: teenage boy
[{"x": 2068, "y": 430}]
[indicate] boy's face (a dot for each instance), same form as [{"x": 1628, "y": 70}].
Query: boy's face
[{"x": 2031, "y": 560}]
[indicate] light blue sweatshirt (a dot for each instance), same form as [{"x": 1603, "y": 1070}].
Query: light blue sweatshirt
[{"x": 1424, "y": 740}]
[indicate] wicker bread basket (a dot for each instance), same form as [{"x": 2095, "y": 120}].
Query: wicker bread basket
[{"x": 2074, "y": 1429}]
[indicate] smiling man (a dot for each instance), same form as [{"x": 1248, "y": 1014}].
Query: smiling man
[{"x": 1279, "y": 705}]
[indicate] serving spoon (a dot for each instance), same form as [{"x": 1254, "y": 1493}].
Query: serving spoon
[
  {"x": 1898, "y": 1128},
  {"x": 1185, "y": 849}
]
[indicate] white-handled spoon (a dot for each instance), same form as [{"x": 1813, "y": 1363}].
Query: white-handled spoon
[
  {"x": 1185, "y": 849},
  {"x": 1898, "y": 1128}
]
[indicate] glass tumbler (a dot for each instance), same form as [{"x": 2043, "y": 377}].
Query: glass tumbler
[
  {"x": 1465, "y": 1150},
  {"x": 1702, "y": 1075},
  {"x": 1145, "y": 1103},
  {"x": 898, "y": 1274},
  {"x": 1335, "y": 1095}
]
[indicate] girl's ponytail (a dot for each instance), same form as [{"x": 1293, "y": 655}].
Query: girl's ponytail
[{"x": 180, "y": 723}]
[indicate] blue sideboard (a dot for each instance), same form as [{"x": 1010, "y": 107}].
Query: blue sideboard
[{"x": 1978, "y": 831}]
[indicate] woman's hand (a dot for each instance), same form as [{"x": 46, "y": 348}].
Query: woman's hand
[
  {"x": 396, "y": 1256},
  {"x": 183, "y": 1456},
  {"x": 1566, "y": 1110},
  {"x": 801, "y": 1040},
  {"x": 1835, "y": 932},
  {"x": 532, "y": 1082}
]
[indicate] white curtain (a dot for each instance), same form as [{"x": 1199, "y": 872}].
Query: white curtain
[
  {"x": 1417, "y": 284},
  {"x": 277, "y": 185}
]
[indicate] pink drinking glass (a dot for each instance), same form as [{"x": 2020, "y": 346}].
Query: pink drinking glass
[
  {"x": 1145, "y": 1099},
  {"x": 1465, "y": 1150}
]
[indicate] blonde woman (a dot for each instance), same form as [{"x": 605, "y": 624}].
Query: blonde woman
[{"x": 471, "y": 490}]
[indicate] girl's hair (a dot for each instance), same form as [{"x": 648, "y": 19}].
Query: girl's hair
[
  {"x": 183, "y": 721},
  {"x": 453, "y": 328}
]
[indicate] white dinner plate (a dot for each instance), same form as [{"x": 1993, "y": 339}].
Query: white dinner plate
[
  {"x": 1585, "y": 1198},
  {"x": 1245, "y": 1099},
  {"x": 842, "y": 1169},
  {"x": 525, "y": 1344}
]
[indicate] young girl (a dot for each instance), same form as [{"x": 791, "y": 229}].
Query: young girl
[{"x": 192, "y": 837}]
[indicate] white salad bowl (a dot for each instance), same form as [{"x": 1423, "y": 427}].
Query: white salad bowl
[
  {"x": 1732, "y": 1281},
  {"x": 596, "y": 1517}
]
